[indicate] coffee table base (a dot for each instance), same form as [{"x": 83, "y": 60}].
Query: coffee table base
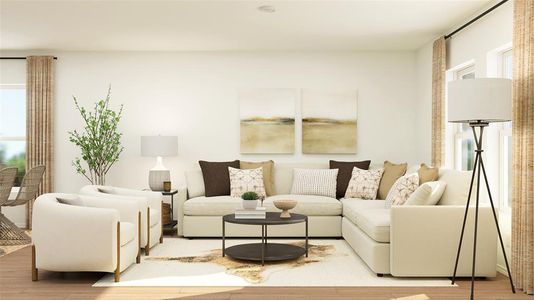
[{"x": 272, "y": 252}]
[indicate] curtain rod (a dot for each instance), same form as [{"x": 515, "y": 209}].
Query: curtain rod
[
  {"x": 475, "y": 19},
  {"x": 16, "y": 57}
]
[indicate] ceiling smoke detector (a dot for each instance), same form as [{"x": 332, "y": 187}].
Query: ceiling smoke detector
[{"x": 267, "y": 8}]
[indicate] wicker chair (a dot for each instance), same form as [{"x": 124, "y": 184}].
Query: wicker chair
[{"x": 10, "y": 234}]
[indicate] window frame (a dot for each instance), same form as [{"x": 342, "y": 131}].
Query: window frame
[
  {"x": 14, "y": 138},
  {"x": 505, "y": 132},
  {"x": 459, "y": 134}
]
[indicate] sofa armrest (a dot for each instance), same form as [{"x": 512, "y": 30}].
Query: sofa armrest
[
  {"x": 179, "y": 200},
  {"x": 74, "y": 238},
  {"x": 424, "y": 241},
  {"x": 128, "y": 209},
  {"x": 154, "y": 198}
]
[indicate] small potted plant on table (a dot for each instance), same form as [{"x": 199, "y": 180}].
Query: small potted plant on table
[{"x": 250, "y": 200}]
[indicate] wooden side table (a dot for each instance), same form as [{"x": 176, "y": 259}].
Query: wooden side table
[{"x": 171, "y": 227}]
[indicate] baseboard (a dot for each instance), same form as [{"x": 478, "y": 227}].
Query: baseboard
[{"x": 502, "y": 270}]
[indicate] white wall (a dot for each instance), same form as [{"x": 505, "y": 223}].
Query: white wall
[
  {"x": 194, "y": 96},
  {"x": 476, "y": 43}
]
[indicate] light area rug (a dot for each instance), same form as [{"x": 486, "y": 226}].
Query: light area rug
[{"x": 198, "y": 262}]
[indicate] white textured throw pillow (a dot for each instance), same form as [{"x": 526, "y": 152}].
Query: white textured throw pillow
[
  {"x": 429, "y": 193},
  {"x": 249, "y": 180},
  {"x": 364, "y": 184},
  {"x": 402, "y": 189},
  {"x": 319, "y": 182}
]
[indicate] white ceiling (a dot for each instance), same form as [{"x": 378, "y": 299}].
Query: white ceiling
[{"x": 228, "y": 25}]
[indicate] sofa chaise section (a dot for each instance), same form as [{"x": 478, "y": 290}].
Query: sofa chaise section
[{"x": 421, "y": 241}]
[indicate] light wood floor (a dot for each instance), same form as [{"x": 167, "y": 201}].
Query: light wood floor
[{"x": 15, "y": 283}]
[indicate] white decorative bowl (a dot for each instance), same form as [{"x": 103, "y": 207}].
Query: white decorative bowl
[{"x": 285, "y": 206}]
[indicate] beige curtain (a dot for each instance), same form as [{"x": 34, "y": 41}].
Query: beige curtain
[
  {"x": 439, "y": 61},
  {"x": 523, "y": 147},
  {"x": 39, "y": 120}
]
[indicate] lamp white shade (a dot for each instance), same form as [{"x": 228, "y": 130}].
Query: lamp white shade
[
  {"x": 480, "y": 99},
  {"x": 159, "y": 145}
]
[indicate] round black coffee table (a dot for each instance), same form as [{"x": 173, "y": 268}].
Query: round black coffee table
[{"x": 265, "y": 251}]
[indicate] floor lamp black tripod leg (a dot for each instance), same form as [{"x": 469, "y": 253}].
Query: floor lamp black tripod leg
[
  {"x": 479, "y": 167},
  {"x": 498, "y": 229},
  {"x": 465, "y": 216}
]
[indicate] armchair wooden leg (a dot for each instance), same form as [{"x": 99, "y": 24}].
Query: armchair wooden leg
[
  {"x": 138, "y": 258},
  {"x": 118, "y": 269},
  {"x": 147, "y": 247},
  {"x": 161, "y": 223},
  {"x": 35, "y": 275}
]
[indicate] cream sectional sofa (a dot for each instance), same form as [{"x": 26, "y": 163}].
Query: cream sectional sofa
[{"x": 403, "y": 240}]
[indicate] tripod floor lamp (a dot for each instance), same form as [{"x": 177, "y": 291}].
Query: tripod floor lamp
[{"x": 479, "y": 102}]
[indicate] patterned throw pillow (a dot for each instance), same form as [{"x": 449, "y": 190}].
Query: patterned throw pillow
[
  {"x": 250, "y": 180},
  {"x": 319, "y": 182},
  {"x": 364, "y": 184},
  {"x": 402, "y": 189}
]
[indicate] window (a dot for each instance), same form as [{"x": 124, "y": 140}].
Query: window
[
  {"x": 505, "y": 140},
  {"x": 464, "y": 144},
  {"x": 13, "y": 128}
]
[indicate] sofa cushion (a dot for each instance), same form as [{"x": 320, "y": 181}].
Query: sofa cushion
[
  {"x": 364, "y": 183},
  {"x": 370, "y": 216},
  {"x": 283, "y": 175},
  {"x": 216, "y": 176},
  {"x": 308, "y": 205},
  {"x": 392, "y": 172},
  {"x": 427, "y": 193},
  {"x": 375, "y": 222},
  {"x": 127, "y": 232},
  {"x": 211, "y": 206},
  {"x": 195, "y": 183},
  {"x": 352, "y": 205},
  {"x": 402, "y": 189},
  {"x": 320, "y": 182},
  {"x": 345, "y": 173},
  {"x": 457, "y": 187},
  {"x": 267, "y": 168},
  {"x": 249, "y": 180},
  {"x": 427, "y": 174},
  {"x": 154, "y": 217}
]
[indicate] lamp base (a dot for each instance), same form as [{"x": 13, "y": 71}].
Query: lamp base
[{"x": 156, "y": 179}]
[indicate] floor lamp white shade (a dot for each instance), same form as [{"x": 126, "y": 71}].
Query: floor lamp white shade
[
  {"x": 480, "y": 99},
  {"x": 159, "y": 146}
]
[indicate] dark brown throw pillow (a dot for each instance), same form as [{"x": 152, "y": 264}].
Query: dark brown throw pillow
[
  {"x": 345, "y": 173},
  {"x": 217, "y": 177}
]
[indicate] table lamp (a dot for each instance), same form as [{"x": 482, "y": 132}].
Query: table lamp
[
  {"x": 159, "y": 146},
  {"x": 478, "y": 102}
]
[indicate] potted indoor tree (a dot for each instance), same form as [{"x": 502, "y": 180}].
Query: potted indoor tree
[
  {"x": 250, "y": 200},
  {"x": 100, "y": 142}
]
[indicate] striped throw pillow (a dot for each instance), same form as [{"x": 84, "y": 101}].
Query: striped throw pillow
[{"x": 319, "y": 182}]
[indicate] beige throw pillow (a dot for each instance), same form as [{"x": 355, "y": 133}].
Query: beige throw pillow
[
  {"x": 429, "y": 193},
  {"x": 402, "y": 189},
  {"x": 364, "y": 184},
  {"x": 242, "y": 181},
  {"x": 392, "y": 172},
  {"x": 267, "y": 167},
  {"x": 427, "y": 174}
]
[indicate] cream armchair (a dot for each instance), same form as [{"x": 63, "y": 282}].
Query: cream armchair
[
  {"x": 149, "y": 203},
  {"x": 89, "y": 234}
]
